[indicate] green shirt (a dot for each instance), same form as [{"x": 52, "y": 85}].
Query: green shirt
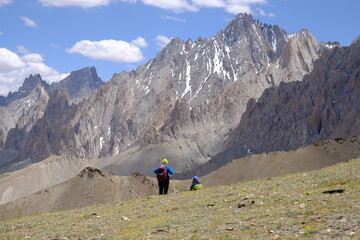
[{"x": 196, "y": 186}]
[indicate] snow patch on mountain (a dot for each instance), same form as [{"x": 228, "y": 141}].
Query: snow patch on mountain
[{"x": 188, "y": 79}]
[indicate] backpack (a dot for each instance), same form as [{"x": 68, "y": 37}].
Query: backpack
[{"x": 161, "y": 173}]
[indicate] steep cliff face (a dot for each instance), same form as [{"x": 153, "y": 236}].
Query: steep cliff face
[
  {"x": 192, "y": 94},
  {"x": 24, "y": 107},
  {"x": 325, "y": 105},
  {"x": 33, "y": 116}
]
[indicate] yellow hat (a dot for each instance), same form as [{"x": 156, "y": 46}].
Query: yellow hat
[{"x": 165, "y": 161}]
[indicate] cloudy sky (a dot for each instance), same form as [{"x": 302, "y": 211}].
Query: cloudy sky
[{"x": 55, "y": 37}]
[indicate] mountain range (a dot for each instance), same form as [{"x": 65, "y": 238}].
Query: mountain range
[{"x": 250, "y": 89}]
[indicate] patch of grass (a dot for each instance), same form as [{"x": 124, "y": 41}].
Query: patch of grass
[
  {"x": 288, "y": 207},
  {"x": 309, "y": 231}
]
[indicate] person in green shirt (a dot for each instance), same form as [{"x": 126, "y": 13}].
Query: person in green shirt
[{"x": 196, "y": 185}]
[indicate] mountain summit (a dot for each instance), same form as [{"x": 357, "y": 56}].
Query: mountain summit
[
  {"x": 30, "y": 84},
  {"x": 80, "y": 83}
]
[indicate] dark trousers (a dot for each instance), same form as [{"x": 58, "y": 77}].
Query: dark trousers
[{"x": 164, "y": 186}]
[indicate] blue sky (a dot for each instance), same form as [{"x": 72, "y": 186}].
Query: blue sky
[{"x": 55, "y": 37}]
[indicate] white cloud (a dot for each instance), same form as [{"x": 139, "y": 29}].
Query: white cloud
[
  {"x": 79, "y": 3},
  {"x": 72, "y": 3},
  {"x": 237, "y": 8},
  {"x": 9, "y": 60},
  {"x": 231, "y": 6},
  {"x": 173, "y": 18},
  {"x": 162, "y": 40},
  {"x": 209, "y": 3},
  {"x": 5, "y": 2},
  {"x": 33, "y": 58},
  {"x": 28, "y": 22},
  {"x": 140, "y": 42},
  {"x": 241, "y": 6},
  {"x": 111, "y": 50},
  {"x": 174, "y": 5},
  {"x": 14, "y": 69}
]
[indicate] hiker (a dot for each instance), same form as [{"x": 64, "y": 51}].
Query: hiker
[
  {"x": 196, "y": 185},
  {"x": 162, "y": 175}
]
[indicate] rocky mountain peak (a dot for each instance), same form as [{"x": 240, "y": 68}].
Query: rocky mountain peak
[
  {"x": 261, "y": 35},
  {"x": 237, "y": 28},
  {"x": 30, "y": 84},
  {"x": 242, "y": 19},
  {"x": 80, "y": 82},
  {"x": 174, "y": 46}
]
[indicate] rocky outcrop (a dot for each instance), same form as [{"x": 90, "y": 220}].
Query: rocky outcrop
[{"x": 91, "y": 172}]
